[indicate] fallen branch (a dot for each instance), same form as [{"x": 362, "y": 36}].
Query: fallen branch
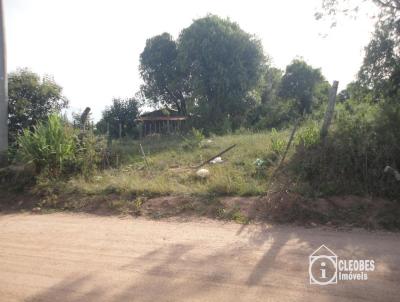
[{"x": 219, "y": 154}]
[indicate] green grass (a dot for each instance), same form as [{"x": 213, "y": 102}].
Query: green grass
[{"x": 170, "y": 169}]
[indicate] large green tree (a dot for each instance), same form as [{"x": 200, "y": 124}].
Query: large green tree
[
  {"x": 270, "y": 85},
  {"x": 223, "y": 64},
  {"x": 164, "y": 82},
  {"x": 122, "y": 112},
  {"x": 31, "y": 99},
  {"x": 380, "y": 71},
  {"x": 299, "y": 83},
  {"x": 210, "y": 72}
]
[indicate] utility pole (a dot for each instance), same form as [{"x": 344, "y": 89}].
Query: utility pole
[{"x": 3, "y": 93}]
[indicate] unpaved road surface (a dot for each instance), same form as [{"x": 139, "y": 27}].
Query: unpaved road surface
[{"x": 71, "y": 257}]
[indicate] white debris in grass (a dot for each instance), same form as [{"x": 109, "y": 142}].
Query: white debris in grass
[
  {"x": 203, "y": 173},
  {"x": 392, "y": 171},
  {"x": 217, "y": 160}
]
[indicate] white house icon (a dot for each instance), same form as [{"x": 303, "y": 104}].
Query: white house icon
[{"x": 322, "y": 257}]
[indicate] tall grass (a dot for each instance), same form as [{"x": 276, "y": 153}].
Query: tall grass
[
  {"x": 363, "y": 140},
  {"x": 51, "y": 146},
  {"x": 171, "y": 163},
  {"x": 56, "y": 149}
]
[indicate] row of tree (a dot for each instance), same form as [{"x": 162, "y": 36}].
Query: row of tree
[
  {"x": 219, "y": 75},
  {"x": 215, "y": 73},
  {"x": 378, "y": 79}
]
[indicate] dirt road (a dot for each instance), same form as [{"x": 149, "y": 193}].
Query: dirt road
[{"x": 70, "y": 257}]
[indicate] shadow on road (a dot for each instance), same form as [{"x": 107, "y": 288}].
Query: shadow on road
[{"x": 263, "y": 259}]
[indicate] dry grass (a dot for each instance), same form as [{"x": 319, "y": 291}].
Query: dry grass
[{"x": 170, "y": 167}]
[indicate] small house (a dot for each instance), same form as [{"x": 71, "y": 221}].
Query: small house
[{"x": 161, "y": 121}]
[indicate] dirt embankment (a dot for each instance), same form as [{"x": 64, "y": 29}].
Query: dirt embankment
[{"x": 278, "y": 207}]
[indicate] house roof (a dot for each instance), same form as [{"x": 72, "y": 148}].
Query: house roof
[
  {"x": 164, "y": 114},
  {"x": 162, "y": 118}
]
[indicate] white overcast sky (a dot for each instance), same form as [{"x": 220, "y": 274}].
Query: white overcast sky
[{"x": 92, "y": 47}]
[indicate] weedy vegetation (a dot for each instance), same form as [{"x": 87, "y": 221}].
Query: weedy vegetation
[{"x": 240, "y": 100}]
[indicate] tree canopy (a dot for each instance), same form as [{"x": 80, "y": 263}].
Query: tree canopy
[
  {"x": 160, "y": 70},
  {"x": 122, "y": 112},
  {"x": 31, "y": 99},
  {"x": 223, "y": 64},
  {"x": 299, "y": 83},
  {"x": 381, "y": 66},
  {"x": 208, "y": 72},
  {"x": 380, "y": 71}
]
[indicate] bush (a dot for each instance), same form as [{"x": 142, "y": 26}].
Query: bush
[
  {"x": 363, "y": 140},
  {"x": 278, "y": 144},
  {"x": 51, "y": 146},
  {"x": 309, "y": 135},
  {"x": 277, "y": 113},
  {"x": 56, "y": 149},
  {"x": 91, "y": 152},
  {"x": 193, "y": 139},
  {"x": 122, "y": 113}
]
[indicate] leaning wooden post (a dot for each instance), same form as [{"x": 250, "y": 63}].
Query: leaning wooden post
[
  {"x": 120, "y": 130},
  {"x": 330, "y": 110},
  {"x": 296, "y": 125},
  {"x": 144, "y": 155},
  {"x": 109, "y": 140}
]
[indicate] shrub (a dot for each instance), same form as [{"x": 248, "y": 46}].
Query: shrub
[
  {"x": 308, "y": 135},
  {"x": 56, "y": 149},
  {"x": 193, "y": 139},
  {"x": 278, "y": 145},
  {"x": 363, "y": 140},
  {"x": 277, "y": 113},
  {"x": 91, "y": 152},
  {"x": 51, "y": 146}
]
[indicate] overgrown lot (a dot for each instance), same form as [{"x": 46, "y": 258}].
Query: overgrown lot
[
  {"x": 246, "y": 186},
  {"x": 171, "y": 166}
]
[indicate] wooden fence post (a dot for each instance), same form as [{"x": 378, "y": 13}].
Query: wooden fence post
[
  {"x": 330, "y": 110},
  {"x": 144, "y": 155}
]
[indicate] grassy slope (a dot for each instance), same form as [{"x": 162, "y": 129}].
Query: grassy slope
[
  {"x": 170, "y": 167},
  {"x": 133, "y": 189}
]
